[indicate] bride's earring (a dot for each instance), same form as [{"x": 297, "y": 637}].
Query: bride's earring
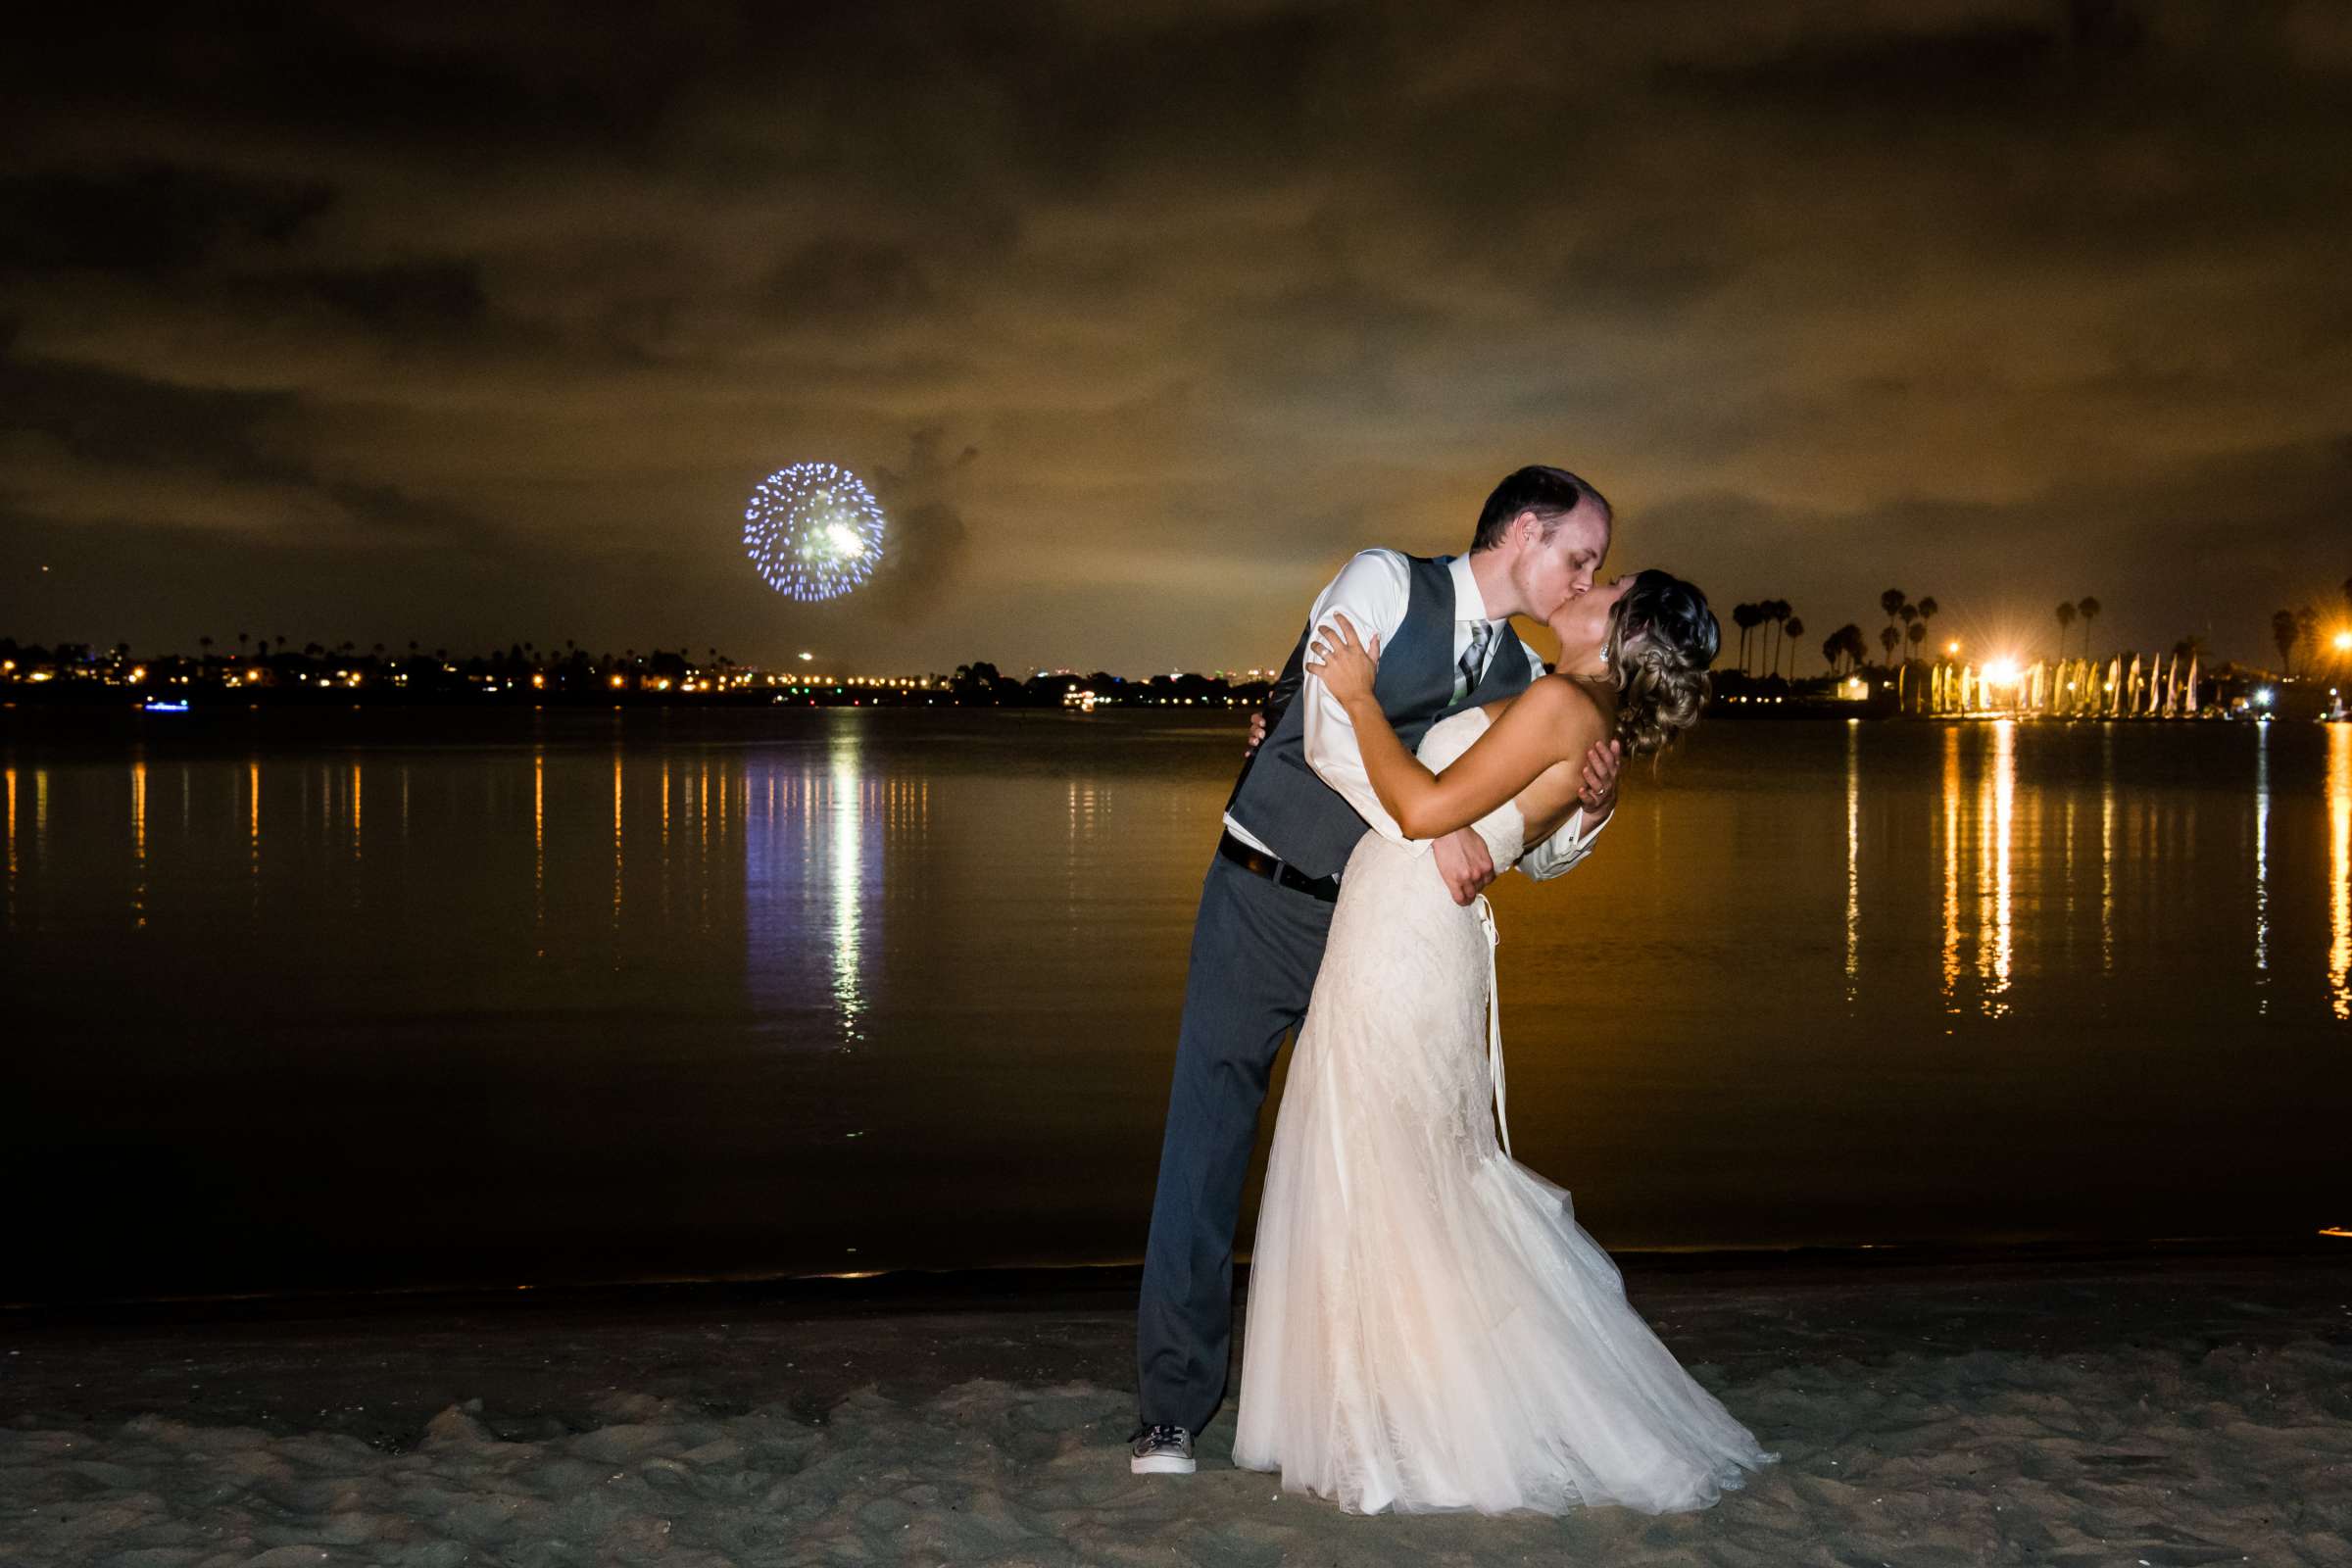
[{"x": 1604, "y": 655}]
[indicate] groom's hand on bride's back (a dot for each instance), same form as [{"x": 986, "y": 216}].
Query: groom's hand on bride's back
[
  {"x": 1257, "y": 733},
  {"x": 1465, "y": 863}
]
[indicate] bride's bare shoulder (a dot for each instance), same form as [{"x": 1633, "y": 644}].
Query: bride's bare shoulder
[{"x": 1562, "y": 703}]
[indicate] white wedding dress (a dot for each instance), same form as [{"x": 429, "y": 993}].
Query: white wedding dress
[{"x": 1429, "y": 1327}]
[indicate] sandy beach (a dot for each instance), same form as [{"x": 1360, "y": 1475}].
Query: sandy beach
[{"x": 2191, "y": 1409}]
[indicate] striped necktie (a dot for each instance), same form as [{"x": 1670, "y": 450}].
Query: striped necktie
[{"x": 1474, "y": 659}]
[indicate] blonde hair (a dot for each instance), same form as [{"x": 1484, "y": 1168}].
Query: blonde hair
[{"x": 1662, "y": 637}]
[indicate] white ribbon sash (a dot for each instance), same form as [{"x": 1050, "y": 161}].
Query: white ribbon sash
[{"x": 1502, "y": 1122}]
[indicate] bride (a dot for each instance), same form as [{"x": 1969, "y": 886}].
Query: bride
[{"x": 1429, "y": 1327}]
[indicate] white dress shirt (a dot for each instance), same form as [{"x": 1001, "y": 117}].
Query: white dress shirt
[{"x": 1373, "y": 591}]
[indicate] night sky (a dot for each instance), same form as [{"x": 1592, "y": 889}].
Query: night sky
[{"x": 410, "y": 323}]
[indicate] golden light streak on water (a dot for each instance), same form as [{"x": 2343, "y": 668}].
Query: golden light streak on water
[
  {"x": 617, "y": 855},
  {"x": 138, "y": 840},
  {"x": 2004, "y": 785},
  {"x": 2262, "y": 868},
  {"x": 252, "y": 827},
  {"x": 539, "y": 850},
  {"x": 2339, "y": 870},
  {"x": 696, "y": 813},
  {"x": 11, "y": 846},
  {"x": 1853, "y": 860},
  {"x": 355, "y": 817},
  {"x": 1951, "y": 867},
  {"x": 2107, "y": 852},
  {"x": 2067, "y": 871}
]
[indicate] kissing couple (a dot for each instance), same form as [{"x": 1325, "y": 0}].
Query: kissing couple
[{"x": 1429, "y": 1328}]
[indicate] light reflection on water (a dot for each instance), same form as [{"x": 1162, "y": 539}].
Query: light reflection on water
[
  {"x": 139, "y": 841},
  {"x": 673, "y": 968},
  {"x": 2261, "y": 868},
  {"x": 845, "y": 873},
  {"x": 11, "y": 852},
  {"x": 2339, "y": 870},
  {"x": 1951, "y": 867},
  {"x": 1853, "y": 860}
]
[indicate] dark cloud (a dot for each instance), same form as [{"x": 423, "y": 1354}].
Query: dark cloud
[
  {"x": 928, "y": 536},
  {"x": 454, "y": 317},
  {"x": 847, "y": 281},
  {"x": 105, "y": 418},
  {"x": 442, "y": 296},
  {"x": 150, "y": 220}
]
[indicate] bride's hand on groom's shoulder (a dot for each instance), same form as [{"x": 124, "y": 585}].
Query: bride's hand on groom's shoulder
[{"x": 1345, "y": 662}]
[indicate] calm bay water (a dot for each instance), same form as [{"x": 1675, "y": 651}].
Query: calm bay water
[{"x": 305, "y": 999}]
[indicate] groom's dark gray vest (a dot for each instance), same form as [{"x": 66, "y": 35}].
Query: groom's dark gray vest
[{"x": 1278, "y": 797}]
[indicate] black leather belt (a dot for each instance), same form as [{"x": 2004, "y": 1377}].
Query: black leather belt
[{"x": 1257, "y": 862}]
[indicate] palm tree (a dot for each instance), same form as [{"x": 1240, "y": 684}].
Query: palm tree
[
  {"x": 1928, "y": 607},
  {"x": 1845, "y": 642},
  {"x": 1892, "y": 602},
  {"x": 2088, "y": 608},
  {"x": 206, "y": 644},
  {"x": 2307, "y": 625},
  {"x": 2284, "y": 632},
  {"x": 1918, "y": 634},
  {"x": 1743, "y": 616},
  {"x": 1792, "y": 631},
  {"x": 243, "y": 638},
  {"x": 2066, "y": 618},
  {"x": 1888, "y": 638}
]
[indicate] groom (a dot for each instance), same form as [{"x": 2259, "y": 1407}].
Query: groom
[{"x": 1303, "y": 800}]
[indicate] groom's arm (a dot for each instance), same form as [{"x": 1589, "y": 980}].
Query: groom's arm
[{"x": 1371, "y": 591}]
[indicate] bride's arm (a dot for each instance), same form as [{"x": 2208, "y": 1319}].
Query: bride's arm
[{"x": 1550, "y": 721}]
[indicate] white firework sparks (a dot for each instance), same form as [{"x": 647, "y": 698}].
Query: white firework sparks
[{"x": 813, "y": 531}]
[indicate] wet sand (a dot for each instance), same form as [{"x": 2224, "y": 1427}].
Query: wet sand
[{"x": 2190, "y": 1407}]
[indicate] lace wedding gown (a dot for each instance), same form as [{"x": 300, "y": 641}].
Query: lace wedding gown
[{"x": 1428, "y": 1325}]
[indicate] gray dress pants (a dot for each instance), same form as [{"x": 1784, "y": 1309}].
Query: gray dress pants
[{"x": 1256, "y": 949}]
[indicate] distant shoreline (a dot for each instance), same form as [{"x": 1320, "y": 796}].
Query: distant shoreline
[{"x": 1068, "y": 1284}]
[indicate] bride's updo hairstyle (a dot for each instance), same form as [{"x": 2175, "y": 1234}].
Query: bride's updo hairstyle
[{"x": 1662, "y": 637}]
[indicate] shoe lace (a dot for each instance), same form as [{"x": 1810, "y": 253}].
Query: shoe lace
[{"x": 1161, "y": 1435}]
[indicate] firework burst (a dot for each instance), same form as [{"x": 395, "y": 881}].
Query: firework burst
[{"x": 813, "y": 531}]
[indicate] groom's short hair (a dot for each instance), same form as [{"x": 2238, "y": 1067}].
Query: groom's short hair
[{"x": 1547, "y": 491}]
